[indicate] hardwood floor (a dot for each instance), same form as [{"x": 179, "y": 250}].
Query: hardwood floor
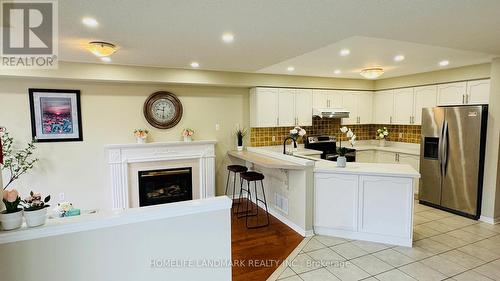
[{"x": 258, "y": 252}]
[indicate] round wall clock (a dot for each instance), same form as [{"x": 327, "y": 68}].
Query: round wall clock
[{"x": 163, "y": 110}]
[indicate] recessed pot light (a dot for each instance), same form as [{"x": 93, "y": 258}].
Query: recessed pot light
[
  {"x": 195, "y": 64},
  {"x": 228, "y": 37},
  {"x": 444, "y": 62},
  {"x": 345, "y": 52},
  {"x": 399, "y": 58},
  {"x": 337, "y": 71},
  {"x": 106, "y": 59},
  {"x": 90, "y": 22},
  {"x": 290, "y": 68}
]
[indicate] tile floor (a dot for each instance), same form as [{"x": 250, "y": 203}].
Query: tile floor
[{"x": 446, "y": 247}]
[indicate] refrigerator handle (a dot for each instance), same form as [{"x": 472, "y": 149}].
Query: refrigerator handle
[{"x": 445, "y": 148}]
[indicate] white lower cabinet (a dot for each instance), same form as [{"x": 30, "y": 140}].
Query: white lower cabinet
[
  {"x": 365, "y": 156},
  {"x": 364, "y": 207},
  {"x": 385, "y": 157}
]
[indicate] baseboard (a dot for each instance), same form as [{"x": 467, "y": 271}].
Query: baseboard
[{"x": 490, "y": 220}]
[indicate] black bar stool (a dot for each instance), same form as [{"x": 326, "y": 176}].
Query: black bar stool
[
  {"x": 236, "y": 169},
  {"x": 253, "y": 177}
]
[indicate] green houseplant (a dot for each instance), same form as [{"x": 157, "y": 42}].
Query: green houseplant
[
  {"x": 12, "y": 216},
  {"x": 35, "y": 209},
  {"x": 240, "y": 134}
]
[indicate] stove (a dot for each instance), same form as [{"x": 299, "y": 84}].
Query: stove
[{"x": 328, "y": 145}]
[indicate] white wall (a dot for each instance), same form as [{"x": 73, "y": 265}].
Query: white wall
[{"x": 110, "y": 112}]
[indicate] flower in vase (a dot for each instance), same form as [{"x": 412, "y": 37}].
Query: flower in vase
[
  {"x": 10, "y": 196},
  {"x": 344, "y": 130},
  {"x": 187, "y": 132}
]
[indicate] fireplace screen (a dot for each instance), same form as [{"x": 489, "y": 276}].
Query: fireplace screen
[{"x": 165, "y": 186}]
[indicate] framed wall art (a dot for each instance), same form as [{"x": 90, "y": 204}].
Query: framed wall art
[{"x": 55, "y": 115}]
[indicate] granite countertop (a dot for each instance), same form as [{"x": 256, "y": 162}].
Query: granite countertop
[{"x": 377, "y": 169}]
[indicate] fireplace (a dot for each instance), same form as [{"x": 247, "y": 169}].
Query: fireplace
[{"x": 165, "y": 186}]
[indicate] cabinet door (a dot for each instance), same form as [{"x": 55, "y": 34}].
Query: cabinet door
[
  {"x": 413, "y": 161},
  {"x": 365, "y": 107},
  {"x": 350, "y": 102},
  {"x": 403, "y": 106},
  {"x": 424, "y": 97},
  {"x": 478, "y": 92},
  {"x": 303, "y": 107},
  {"x": 286, "y": 107},
  {"x": 452, "y": 93},
  {"x": 341, "y": 189},
  {"x": 320, "y": 98},
  {"x": 386, "y": 157},
  {"x": 365, "y": 156},
  {"x": 264, "y": 107},
  {"x": 383, "y": 106},
  {"x": 334, "y": 98}
]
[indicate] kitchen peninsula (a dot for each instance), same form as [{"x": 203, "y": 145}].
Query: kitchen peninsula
[{"x": 364, "y": 201}]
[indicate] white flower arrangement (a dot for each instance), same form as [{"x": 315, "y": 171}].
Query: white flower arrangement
[
  {"x": 382, "y": 133},
  {"x": 297, "y": 132},
  {"x": 350, "y": 135}
]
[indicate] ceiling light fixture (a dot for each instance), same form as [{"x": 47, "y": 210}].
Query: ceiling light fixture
[
  {"x": 399, "y": 58},
  {"x": 90, "y": 22},
  {"x": 290, "y": 68},
  {"x": 227, "y": 37},
  {"x": 444, "y": 63},
  {"x": 372, "y": 73},
  {"x": 101, "y": 49},
  {"x": 106, "y": 59},
  {"x": 345, "y": 52},
  {"x": 337, "y": 71},
  {"x": 195, "y": 64}
]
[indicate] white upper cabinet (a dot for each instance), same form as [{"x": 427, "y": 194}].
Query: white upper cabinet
[
  {"x": 365, "y": 107},
  {"x": 263, "y": 107},
  {"x": 452, "y": 93},
  {"x": 478, "y": 92},
  {"x": 383, "y": 107},
  {"x": 303, "y": 107},
  {"x": 334, "y": 99},
  {"x": 359, "y": 105},
  {"x": 424, "y": 97},
  {"x": 350, "y": 102},
  {"x": 326, "y": 99},
  {"x": 286, "y": 107},
  {"x": 403, "y": 106}
]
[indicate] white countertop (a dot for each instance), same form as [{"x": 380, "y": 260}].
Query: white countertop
[
  {"x": 300, "y": 149},
  {"x": 110, "y": 218},
  {"x": 396, "y": 147},
  {"x": 374, "y": 169}
]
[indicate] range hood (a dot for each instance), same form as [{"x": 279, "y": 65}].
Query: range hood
[{"x": 331, "y": 112}]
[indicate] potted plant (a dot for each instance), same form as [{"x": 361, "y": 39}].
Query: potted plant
[
  {"x": 240, "y": 134},
  {"x": 187, "y": 134},
  {"x": 141, "y": 135},
  {"x": 35, "y": 210},
  {"x": 342, "y": 151},
  {"x": 12, "y": 217},
  {"x": 382, "y": 133}
]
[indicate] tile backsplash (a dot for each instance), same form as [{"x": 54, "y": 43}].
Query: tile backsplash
[{"x": 401, "y": 133}]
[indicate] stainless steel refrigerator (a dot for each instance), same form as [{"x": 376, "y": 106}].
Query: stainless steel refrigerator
[{"x": 452, "y": 158}]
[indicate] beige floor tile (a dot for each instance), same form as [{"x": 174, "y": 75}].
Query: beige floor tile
[
  {"x": 393, "y": 257},
  {"x": 287, "y": 273},
  {"x": 303, "y": 263},
  {"x": 422, "y": 272},
  {"x": 432, "y": 246},
  {"x": 292, "y": 278},
  {"x": 443, "y": 265},
  {"x": 349, "y": 251},
  {"x": 370, "y": 247},
  {"x": 371, "y": 264},
  {"x": 326, "y": 257},
  {"x": 425, "y": 231},
  {"x": 435, "y": 214},
  {"x": 370, "y": 279},
  {"x": 329, "y": 240},
  {"x": 466, "y": 236},
  {"x": 448, "y": 240},
  {"x": 440, "y": 227},
  {"x": 313, "y": 245},
  {"x": 490, "y": 270},
  {"x": 462, "y": 259},
  {"x": 491, "y": 244},
  {"x": 349, "y": 272},
  {"x": 421, "y": 208},
  {"x": 471, "y": 276},
  {"x": 480, "y": 229},
  {"x": 394, "y": 275},
  {"x": 457, "y": 221},
  {"x": 420, "y": 219},
  {"x": 319, "y": 275},
  {"x": 479, "y": 252},
  {"x": 415, "y": 252}
]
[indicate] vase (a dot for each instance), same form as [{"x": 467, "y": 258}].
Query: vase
[
  {"x": 35, "y": 218},
  {"x": 11, "y": 221},
  {"x": 341, "y": 161},
  {"x": 188, "y": 139},
  {"x": 381, "y": 142},
  {"x": 141, "y": 139}
]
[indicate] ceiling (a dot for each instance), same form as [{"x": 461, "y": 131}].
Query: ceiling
[{"x": 273, "y": 35}]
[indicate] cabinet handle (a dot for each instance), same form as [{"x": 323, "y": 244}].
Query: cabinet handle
[
  {"x": 467, "y": 99},
  {"x": 410, "y": 119},
  {"x": 277, "y": 121},
  {"x": 463, "y": 99},
  {"x": 390, "y": 121}
]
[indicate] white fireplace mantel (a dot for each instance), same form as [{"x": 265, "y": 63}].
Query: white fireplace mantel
[{"x": 121, "y": 156}]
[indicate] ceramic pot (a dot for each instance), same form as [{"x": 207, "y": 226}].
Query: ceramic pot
[
  {"x": 341, "y": 161},
  {"x": 240, "y": 148},
  {"x": 35, "y": 218},
  {"x": 12, "y": 220},
  {"x": 188, "y": 139},
  {"x": 381, "y": 142},
  {"x": 141, "y": 140}
]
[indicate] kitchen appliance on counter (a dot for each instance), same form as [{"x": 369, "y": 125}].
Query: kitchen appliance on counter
[
  {"x": 328, "y": 145},
  {"x": 452, "y": 158}
]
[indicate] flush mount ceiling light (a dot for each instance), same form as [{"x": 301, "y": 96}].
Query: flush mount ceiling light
[
  {"x": 372, "y": 73},
  {"x": 399, "y": 58},
  {"x": 290, "y": 68},
  {"x": 345, "y": 52},
  {"x": 90, "y": 22},
  {"x": 228, "y": 37},
  {"x": 444, "y": 63},
  {"x": 101, "y": 49},
  {"x": 195, "y": 64}
]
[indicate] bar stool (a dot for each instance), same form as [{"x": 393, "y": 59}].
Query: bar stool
[
  {"x": 253, "y": 177},
  {"x": 236, "y": 169}
]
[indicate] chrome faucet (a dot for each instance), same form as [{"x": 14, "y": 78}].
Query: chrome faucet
[{"x": 284, "y": 144}]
